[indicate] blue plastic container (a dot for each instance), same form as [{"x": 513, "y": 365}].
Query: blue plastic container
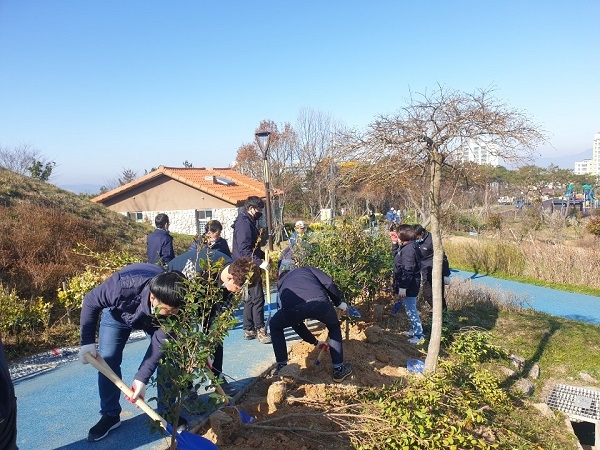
[{"x": 415, "y": 365}]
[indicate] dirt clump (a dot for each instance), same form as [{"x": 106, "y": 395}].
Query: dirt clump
[{"x": 297, "y": 407}]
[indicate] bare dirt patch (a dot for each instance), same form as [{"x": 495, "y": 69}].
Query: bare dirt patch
[{"x": 302, "y": 408}]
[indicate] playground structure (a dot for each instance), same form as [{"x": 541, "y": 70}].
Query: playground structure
[{"x": 583, "y": 202}]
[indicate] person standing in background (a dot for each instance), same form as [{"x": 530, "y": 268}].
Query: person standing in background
[
  {"x": 246, "y": 244},
  {"x": 212, "y": 239},
  {"x": 160, "y": 242}
]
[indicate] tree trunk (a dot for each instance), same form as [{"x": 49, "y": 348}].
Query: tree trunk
[{"x": 435, "y": 339}]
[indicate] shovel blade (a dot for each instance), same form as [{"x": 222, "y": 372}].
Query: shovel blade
[{"x": 191, "y": 441}]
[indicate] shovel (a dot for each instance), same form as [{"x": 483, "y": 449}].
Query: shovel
[{"x": 185, "y": 440}]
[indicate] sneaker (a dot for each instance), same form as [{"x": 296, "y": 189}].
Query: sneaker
[
  {"x": 263, "y": 336},
  {"x": 103, "y": 427},
  {"x": 249, "y": 334},
  {"x": 182, "y": 424},
  {"x": 408, "y": 334},
  {"x": 276, "y": 370},
  {"x": 416, "y": 340},
  {"x": 342, "y": 373}
]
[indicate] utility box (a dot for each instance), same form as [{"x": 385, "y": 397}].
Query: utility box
[{"x": 326, "y": 215}]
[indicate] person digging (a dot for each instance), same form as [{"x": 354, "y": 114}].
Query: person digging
[{"x": 308, "y": 293}]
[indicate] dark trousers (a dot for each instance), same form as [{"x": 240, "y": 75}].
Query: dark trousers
[
  {"x": 427, "y": 291},
  {"x": 321, "y": 310},
  {"x": 8, "y": 426},
  {"x": 254, "y": 308}
]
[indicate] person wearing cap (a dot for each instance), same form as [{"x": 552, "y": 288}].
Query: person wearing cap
[
  {"x": 308, "y": 293},
  {"x": 299, "y": 231}
]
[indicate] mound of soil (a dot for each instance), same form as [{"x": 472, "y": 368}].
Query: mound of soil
[{"x": 290, "y": 408}]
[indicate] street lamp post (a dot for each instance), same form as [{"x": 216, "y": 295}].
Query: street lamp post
[{"x": 262, "y": 139}]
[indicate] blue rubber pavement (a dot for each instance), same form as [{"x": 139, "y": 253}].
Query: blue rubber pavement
[
  {"x": 580, "y": 307},
  {"x": 56, "y": 408}
]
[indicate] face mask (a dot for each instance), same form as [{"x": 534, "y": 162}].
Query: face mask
[{"x": 257, "y": 215}]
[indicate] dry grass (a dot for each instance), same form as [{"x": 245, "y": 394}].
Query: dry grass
[{"x": 574, "y": 263}]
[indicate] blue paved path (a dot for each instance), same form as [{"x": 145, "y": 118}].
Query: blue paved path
[
  {"x": 580, "y": 307},
  {"x": 58, "y": 407}
]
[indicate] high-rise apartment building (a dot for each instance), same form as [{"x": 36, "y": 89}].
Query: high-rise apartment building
[
  {"x": 590, "y": 166},
  {"x": 478, "y": 152}
]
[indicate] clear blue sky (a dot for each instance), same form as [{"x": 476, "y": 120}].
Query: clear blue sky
[{"x": 99, "y": 86}]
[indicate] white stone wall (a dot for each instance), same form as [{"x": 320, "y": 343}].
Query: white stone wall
[{"x": 184, "y": 221}]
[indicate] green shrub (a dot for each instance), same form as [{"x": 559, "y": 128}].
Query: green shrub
[
  {"x": 19, "y": 317},
  {"x": 360, "y": 263}
]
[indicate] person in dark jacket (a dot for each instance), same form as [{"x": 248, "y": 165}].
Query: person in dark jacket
[
  {"x": 127, "y": 300},
  {"x": 160, "y": 242},
  {"x": 191, "y": 263},
  {"x": 308, "y": 293},
  {"x": 407, "y": 279},
  {"x": 8, "y": 406},
  {"x": 425, "y": 242},
  {"x": 246, "y": 244},
  {"x": 212, "y": 238}
]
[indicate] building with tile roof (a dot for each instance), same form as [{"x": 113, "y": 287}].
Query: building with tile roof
[{"x": 189, "y": 196}]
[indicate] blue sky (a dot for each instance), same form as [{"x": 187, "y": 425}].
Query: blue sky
[{"x": 102, "y": 86}]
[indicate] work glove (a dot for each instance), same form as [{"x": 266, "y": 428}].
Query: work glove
[
  {"x": 322, "y": 345},
  {"x": 139, "y": 391},
  {"x": 401, "y": 293},
  {"x": 394, "y": 237},
  {"x": 446, "y": 281},
  {"x": 87, "y": 348},
  {"x": 265, "y": 265},
  {"x": 343, "y": 306}
]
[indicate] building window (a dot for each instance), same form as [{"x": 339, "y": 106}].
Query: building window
[
  {"x": 137, "y": 216},
  {"x": 203, "y": 216}
]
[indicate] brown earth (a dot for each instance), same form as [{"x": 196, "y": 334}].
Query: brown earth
[{"x": 297, "y": 409}]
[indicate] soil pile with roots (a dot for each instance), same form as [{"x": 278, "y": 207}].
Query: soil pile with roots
[{"x": 297, "y": 408}]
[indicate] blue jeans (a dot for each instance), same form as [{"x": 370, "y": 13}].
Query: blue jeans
[
  {"x": 112, "y": 338},
  {"x": 410, "y": 306},
  {"x": 321, "y": 310}
]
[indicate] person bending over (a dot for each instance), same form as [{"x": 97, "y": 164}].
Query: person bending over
[
  {"x": 128, "y": 300},
  {"x": 308, "y": 293}
]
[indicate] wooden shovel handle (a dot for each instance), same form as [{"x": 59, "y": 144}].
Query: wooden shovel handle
[{"x": 102, "y": 367}]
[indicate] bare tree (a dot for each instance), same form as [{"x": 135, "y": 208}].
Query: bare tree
[
  {"x": 427, "y": 134},
  {"x": 25, "y": 159},
  {"x": 319, "y": 156}
]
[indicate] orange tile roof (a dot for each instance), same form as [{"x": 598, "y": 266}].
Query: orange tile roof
[{"x": 202, "y": 179}]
